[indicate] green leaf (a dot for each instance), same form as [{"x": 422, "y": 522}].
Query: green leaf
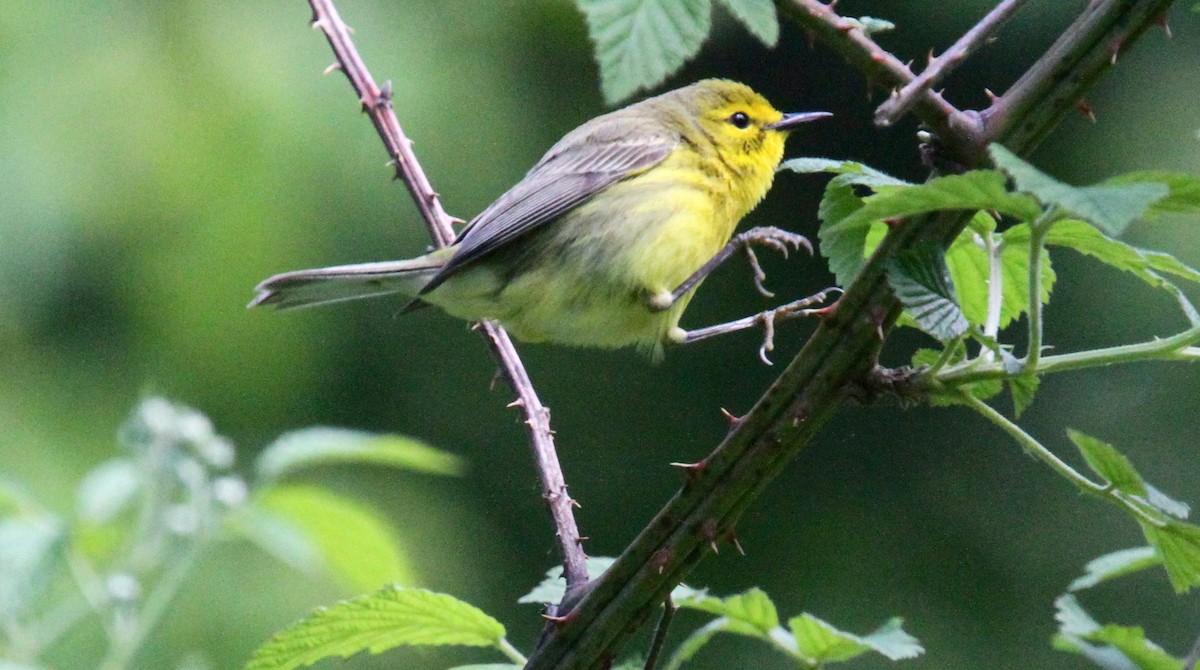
[
  {"x": 846, "y": 218},
  {"x": 1183, "y": 196},
  {"x": 753, "y": 608},
  {"x": 640, "y": 42},
  {"x": 390, "y": 618},
  {"x": 311, "y": 447},
  {"x": 922, "y": 283},
  {"x": 1109, "y": 463},
  {"x": 1178, "y": 544},
  {"x": 277, "y": 536},
  {"x": 1123, "y": 647},
  {"x": 1144, "y": 265},
  {"x": 1113, "y": 565},
  {"x": 845, "y": 249},
  {"x": 107, "y": 490},
  {"x": 820, "y": 642},
  {"x": 1110, "y": 207},
  {"x": 1023, "y": 387},
  {"x": 970, "y": 268},
  {"x": 553, "y": 587},
  {"x": 758, "y": 16},
  {"x": 856, "y": 173},
  {"x": 355, "y": 544}
]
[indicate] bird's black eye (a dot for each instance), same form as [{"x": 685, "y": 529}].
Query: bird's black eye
[{"x": 739, "y": 119}]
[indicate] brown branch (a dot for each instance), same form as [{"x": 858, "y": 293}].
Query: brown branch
[
  {"x": 377, "y": 103},
  {"x": 843, "y": 348},
  {"x": 939, "y": 68},
  {"x": 957, "y": 129}
]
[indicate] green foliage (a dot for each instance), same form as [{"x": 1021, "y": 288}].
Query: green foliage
[
  {"x": 1108, "y": 646},
  {"x": 1109, "y": 207},
  {"x": 323, "y": 446},
  {"x": 1160, "y": 517},
  {"x": 354, "y": 544},
  {"x": 143, "y": 520},
  {"x": 1115, "y": 564},
  {"x": 639, "y": 43},
  {"x": 922, "y": 284},
  {"x": 809, "y": 640},
  {"x": 390, "y": 618}
]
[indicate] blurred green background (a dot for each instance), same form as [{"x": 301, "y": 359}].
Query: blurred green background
[{"x": 159, "y": 159}]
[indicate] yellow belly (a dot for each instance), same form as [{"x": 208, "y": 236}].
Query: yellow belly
[{"x": 585, "y": 278}]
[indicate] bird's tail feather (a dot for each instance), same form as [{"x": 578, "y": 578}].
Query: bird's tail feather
[{"x": 306, "y": 288}]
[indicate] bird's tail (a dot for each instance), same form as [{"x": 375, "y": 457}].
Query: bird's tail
[{"x": 305, "y": 288}]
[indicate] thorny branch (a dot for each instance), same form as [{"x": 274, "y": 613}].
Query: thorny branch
[
  {"x": 939, "y": 68},
  {"x": 377, "y": 103},
  {"x": 843, "y": 348}
]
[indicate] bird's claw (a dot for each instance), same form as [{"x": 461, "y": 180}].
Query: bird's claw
[
  {"x": 789, "y": 311},
  {"x": 771, "y": 237}
]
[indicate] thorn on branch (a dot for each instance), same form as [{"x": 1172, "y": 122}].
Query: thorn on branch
[
  {"x": 732, "y": 538},
  {"x": 1085, "y": 108},
  {"x": 333, "y": 67},
  {"x": 662, "y": 558},
  {"x": 560, "y": 621},
  {"x": 731, "y": 418},
  {"x": 1162, "y": 23},
  {"x": 691, "y": 471},
  {"x": 1114, "y": 48},
  {"x": 708, "y": 531},
  {"x": 992, "y": 97}
]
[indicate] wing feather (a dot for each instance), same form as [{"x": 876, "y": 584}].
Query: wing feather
[{"x": 583, "y": 163}]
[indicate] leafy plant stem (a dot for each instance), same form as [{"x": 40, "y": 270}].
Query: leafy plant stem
[
  {"x": 1040, "y": 452},
  {"x": 1037, "y": 242},
  {"x": 991, "y": 325},
  {"x": 1175, "y": 348},
  {"x": 510, "y": 651}
]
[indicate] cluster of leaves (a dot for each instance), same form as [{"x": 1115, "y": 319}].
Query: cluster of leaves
[
  {"x": 639, "y": 43},
  {"x": 143, "y": 519},
  {"x": 396, "y": 617},
  {"x": 999, "y": 270},
  {"x": 1110, "y": 645}
]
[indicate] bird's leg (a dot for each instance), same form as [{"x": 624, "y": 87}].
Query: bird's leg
[
  {"x": 768, "y": 236},
  {"x": 766, "y": 319}
]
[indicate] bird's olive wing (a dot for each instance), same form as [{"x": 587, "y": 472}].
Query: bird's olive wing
[{"x": 581, "y": 165}]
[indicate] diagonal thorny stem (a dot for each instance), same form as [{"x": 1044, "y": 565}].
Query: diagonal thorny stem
[
  {"x": 377, "y": 103},
  {"x": 845, "y": 345},
  {"x": 939, "y": 68}
]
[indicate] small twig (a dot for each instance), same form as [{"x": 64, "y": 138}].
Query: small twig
[
  {"x": 939, "y": 68},
  {"x": 660, "y": 634},
  {"x": 961, "y": 131},
  {"x": 1038, "y": 229},
  {"x": 1193, "y": 657},
  {"x": 377, "y": 103}
]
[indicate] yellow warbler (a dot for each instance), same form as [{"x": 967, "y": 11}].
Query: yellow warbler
[{"x": 605, "y": 240}]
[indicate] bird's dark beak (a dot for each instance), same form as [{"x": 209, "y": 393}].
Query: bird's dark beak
[{"x": 792, "y": 120}]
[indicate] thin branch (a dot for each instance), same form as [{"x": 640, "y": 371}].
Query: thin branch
[
  {"x": 941, "y": 67},
  {"x": 960, "y": 130},
  {"x": 1051, "y": 87},
  {"x": 1040, "y": 452},
  {"x": 1038, "y": 229},
  {"x": 842, "y": 349},
  {"x": 377, "y": 103},
  {"x": 660, "y": 634},
  {"x": 1193, "y": 657}
]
